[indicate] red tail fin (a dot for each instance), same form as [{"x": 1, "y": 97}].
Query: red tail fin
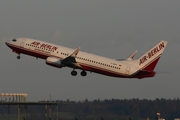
[{"x": 149, "y": 60}]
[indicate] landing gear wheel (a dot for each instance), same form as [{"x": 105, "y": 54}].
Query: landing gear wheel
[
  {"x": 73, "y": 73},
  {"x": 18, "y": 57},
  {"x": 83, "y": 73}
]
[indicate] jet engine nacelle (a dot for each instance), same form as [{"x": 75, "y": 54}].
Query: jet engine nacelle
[{"x": 54, "y": 61}]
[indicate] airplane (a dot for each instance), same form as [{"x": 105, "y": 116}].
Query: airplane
[{"x": 60, "y": 56}]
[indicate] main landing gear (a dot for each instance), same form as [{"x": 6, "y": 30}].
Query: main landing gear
[
  {"x": 83, "y": 73},
  {"x": 74, "y": 73}
]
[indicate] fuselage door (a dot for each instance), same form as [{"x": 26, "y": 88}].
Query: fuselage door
[
  {"x": 22, "y": 42},
  {"x": 127, "y": 70}
]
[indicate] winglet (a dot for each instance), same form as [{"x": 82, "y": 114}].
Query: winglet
[
  {"x": 131, "y": 56},
  {"x": 74, "y": 54}
]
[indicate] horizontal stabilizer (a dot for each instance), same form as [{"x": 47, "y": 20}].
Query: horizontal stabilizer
[{"x": 143, "y": 73}]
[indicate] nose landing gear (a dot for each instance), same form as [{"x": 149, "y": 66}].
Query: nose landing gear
[{"x": 18, "y": 57}]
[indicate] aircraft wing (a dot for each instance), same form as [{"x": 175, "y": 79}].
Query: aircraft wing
[{"x": 70, "y": 60}]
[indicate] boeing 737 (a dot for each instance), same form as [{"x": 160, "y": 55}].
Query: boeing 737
[{"x": 59, "y": 56}]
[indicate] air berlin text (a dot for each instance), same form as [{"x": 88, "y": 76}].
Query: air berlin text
[
  {"x": 45, "y": 46},
  {"x": 150, "y": 54}
]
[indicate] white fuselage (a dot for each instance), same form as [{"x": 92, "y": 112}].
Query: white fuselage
[
  {"x": 89, "y": 62},
  {"x": 85, "y": 61}
]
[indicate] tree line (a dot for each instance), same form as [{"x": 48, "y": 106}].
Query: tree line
[
  {"x": 109, "y": 109},
  {"x": 127, "y": 108}
]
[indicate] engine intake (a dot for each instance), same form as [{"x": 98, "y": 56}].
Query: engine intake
[{"x": 55, "y": 62}]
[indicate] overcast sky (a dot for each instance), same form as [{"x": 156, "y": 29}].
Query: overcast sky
[{"x": 110, "y": 28}]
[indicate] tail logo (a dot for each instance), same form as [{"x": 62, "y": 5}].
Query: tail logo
[{"x": 151, "y": 53}]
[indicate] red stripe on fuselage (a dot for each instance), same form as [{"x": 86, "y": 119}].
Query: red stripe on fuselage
[
  {"x": 86, "y": 66},
  {"x": 19, "y": 50},
  {"x": 100, "y": 70}
]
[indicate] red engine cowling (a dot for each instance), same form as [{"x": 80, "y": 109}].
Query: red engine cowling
[{"x": 55, "y": 62}]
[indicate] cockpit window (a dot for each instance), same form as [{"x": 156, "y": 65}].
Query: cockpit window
[{"x": 14, "y": 40}]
